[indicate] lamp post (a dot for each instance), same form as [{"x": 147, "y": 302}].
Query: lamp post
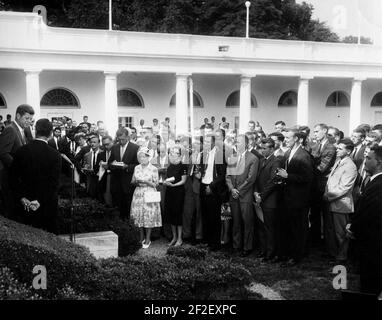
[{"x": 247, "y": 4}]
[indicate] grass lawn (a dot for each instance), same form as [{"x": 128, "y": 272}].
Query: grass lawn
[{"x": 310, "y": 280}]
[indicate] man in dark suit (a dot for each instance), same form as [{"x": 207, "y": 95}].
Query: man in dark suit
[
  {"x": 213, "y": 190},
  {"x": 36, "y": 171},
  {"x": 267, "y": 195},
  {"x": 192, "y": 213},
  {"x": 366, "y": 225},
  {"x": 91, "y": 168},
  {"x": 324, "y": 155},
  {"x": 358, "y": 136},
  {"x": 121, "y": 188},
  {"x": 240, "y": 180},
  {"x": 104, "y": 171},
  {"x": 298, "y": 177},
  {"x": 12, "y": 138}
]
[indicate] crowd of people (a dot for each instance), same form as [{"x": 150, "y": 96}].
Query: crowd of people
[{"x": 281, "y": 193}]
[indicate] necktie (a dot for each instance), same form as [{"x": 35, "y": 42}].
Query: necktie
[
  {"x": 319, "y": 149},
  {"x": 23, "y": 137},
  {"x": 107, "y": 156},
  {"x": 354, "y": 153},
  {"x": 94, "y": 159}
]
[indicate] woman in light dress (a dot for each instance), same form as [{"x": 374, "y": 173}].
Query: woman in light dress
[{"x": 145, "y": 215}]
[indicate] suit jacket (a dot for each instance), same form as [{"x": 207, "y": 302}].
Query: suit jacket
[
  {"x": 79, "y": 157},
  {"x": 340, "y": 186},
  {"x": 218, "y": 186},
  {"x": 10, "y": 141},
  {"x": 298, "y": 186},
  {"x": 36, "y": 172},
  {"x": 122, "y": 178},
  {"x": 366, "y": 224},
  {"x": 265, "y": 182},
  {"x": 324, "y": 159},
  {"x": 359, "y": 156},
  {"x": 243, "y": 176},
  {"x": 28, "y": 134},
  {"x": 88, "y": 160}
]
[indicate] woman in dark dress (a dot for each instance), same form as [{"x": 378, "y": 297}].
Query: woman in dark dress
[{"x": 173, "y": 205}]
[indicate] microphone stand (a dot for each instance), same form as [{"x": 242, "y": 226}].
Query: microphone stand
[{"x": 72, "y": 236}]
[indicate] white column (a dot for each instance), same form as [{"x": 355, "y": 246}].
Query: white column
[
  {"x": 355, "y": 104},
  {"x": 245, "y": 103},
  {"x": 111, "y": 102},
  {"x": 191, "y": 96},
  {"x": 303, "y": 101},
  {"x": 181, "y": 113},
  {"x": 32, "y": 80}
]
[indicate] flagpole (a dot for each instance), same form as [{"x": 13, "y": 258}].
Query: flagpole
[
  {"x": 110, "y": 15},
  {"x": 359, "y": 23}
]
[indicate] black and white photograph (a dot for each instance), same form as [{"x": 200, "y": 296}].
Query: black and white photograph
[{"x": 196, "y": 157}]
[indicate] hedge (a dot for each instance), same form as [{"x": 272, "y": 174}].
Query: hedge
[
  {"x": 92, "y": 216},
  {"x": 73, "y": 273}
]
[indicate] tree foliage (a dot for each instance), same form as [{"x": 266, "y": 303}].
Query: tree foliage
[
  {"x": 354, "y": 39},
  {"x": 277, "y": 19}
]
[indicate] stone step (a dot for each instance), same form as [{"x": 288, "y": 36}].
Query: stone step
[{"x": 101, "y": 244}]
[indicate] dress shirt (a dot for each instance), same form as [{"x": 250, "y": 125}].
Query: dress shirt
[
  {"x": 123, "y": 149},
  {"x": 208, "y": 177},
  {"x": 21, "y": 132},
  {"x": 292, "y": 152}
]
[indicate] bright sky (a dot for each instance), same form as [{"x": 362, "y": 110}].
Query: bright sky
[{"x": 343, "y": 17}]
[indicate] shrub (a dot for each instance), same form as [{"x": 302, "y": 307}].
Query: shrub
[
  {"x": 12, "y": 289},
  {"x": 23, "y": 247},
  {"x": 170, "y": 278},
  {"x": 92, "y": 216},
  {"x": 72, "y": 273}
]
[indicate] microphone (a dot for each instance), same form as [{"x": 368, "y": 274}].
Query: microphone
[{"x": 65, "y": 157}]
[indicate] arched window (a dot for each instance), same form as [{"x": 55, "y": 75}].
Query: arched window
[
  {"x": 233, "y": 100},
  {"x": 338, "y": 99},
  {"x": 198, "y": 102},
  {"x": 61, "y": 98},
  {"x": 3, "y": 103},
  {"x": 377, "y": 100},
  {"x": 130, "y": 98},
  {"x": 288, "y": 99}
]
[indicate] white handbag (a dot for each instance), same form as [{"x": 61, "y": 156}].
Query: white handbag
[{"x": 152, "y": 196}]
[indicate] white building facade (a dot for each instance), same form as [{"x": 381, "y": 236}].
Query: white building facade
[{"x": 121, "y": 77}]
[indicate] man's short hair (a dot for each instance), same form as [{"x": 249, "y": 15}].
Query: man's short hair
[
  {"x": 322, "y": 126},
  {"x": 280, "y": 122},
  {"x": 44, "y": 128},
  {"x": 246, "y": 138},
  {"x": 280, "y": 137},
  {"x": 251, "y": 121},
  {"x": 122, "y": 131},
  {"x": 361, "y": 131},
  {"x": 375, "y": 136},
  {"x": 23, "y": 109},
  {"x": 349, "y": 145},
  {"x": 268, "y": 141},
  {"x": 79, "y": 136},
  {"x": 305, "y": 129},
  {"x": 92, "y": 136},
  {"x": 378, "y": 152},
  {"x": 365, "y": 127},
  {"x": 336, "y": 130},
  {"x": 107, "y": 137},
  {"x": 167, "y": 118},
  {"x": 377, "y": 127},
  {"x": 57, "y": 128}
]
